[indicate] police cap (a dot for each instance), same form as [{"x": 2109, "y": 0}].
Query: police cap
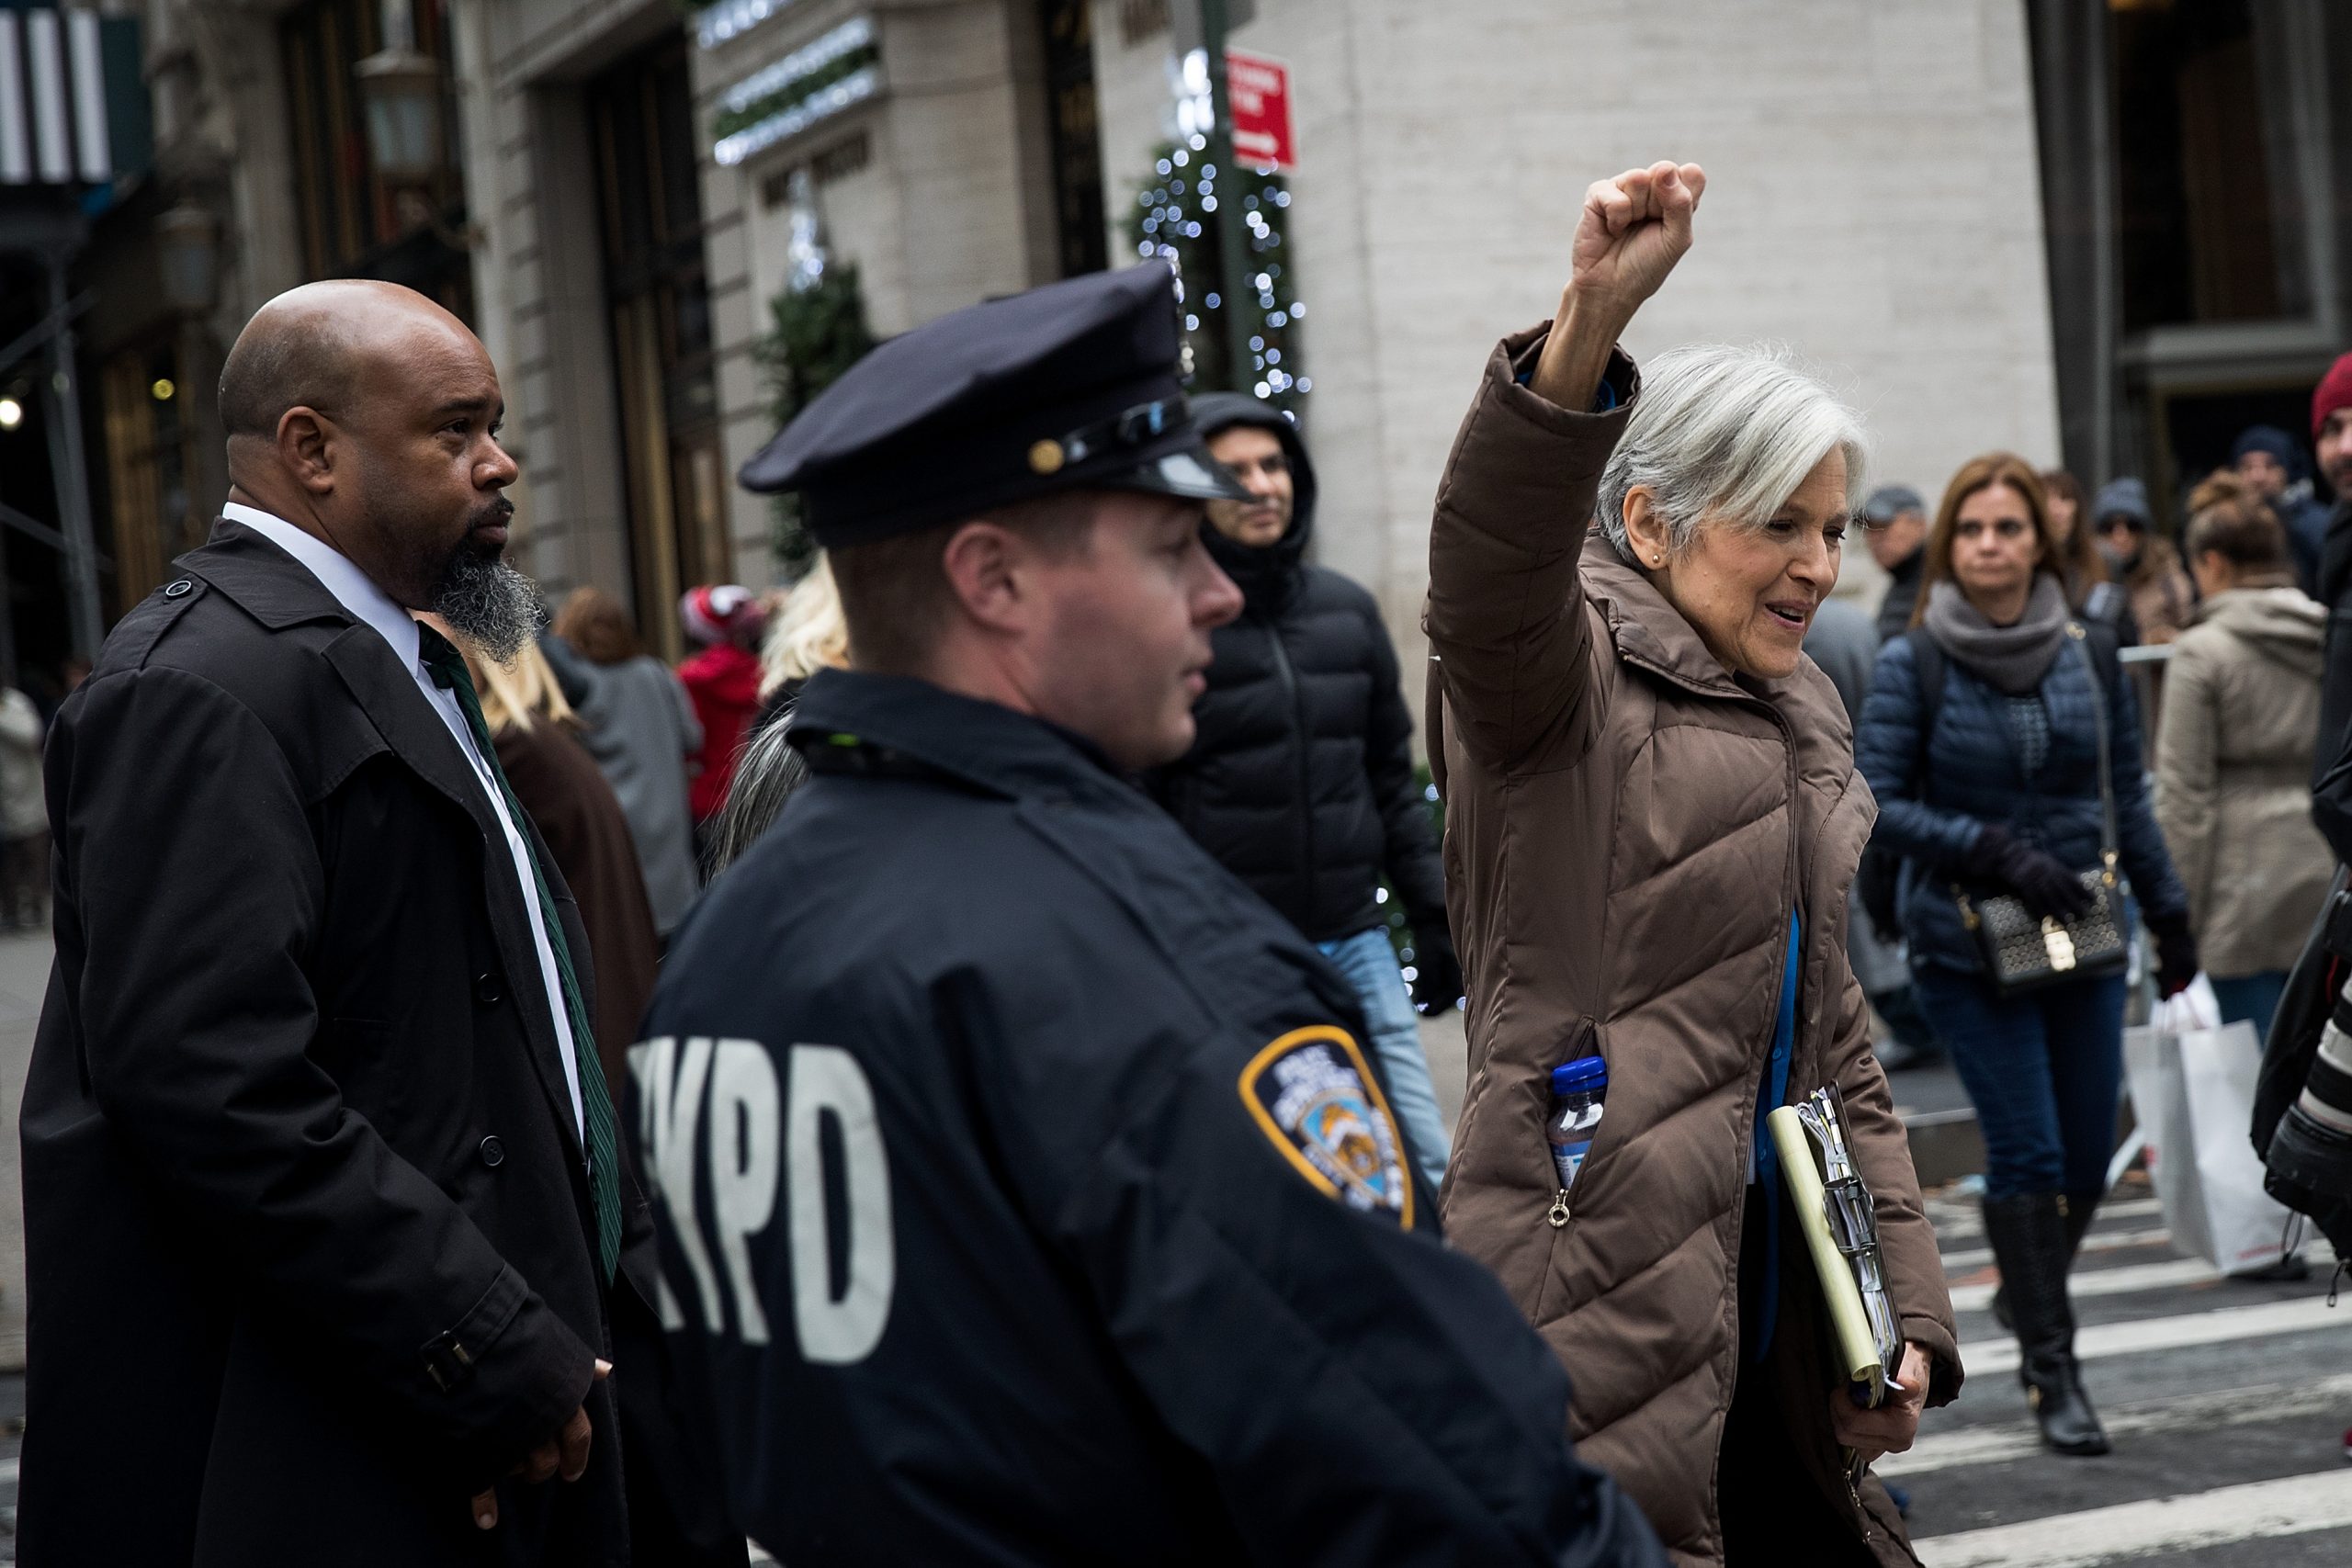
[{"x": 1069, "y": 386}]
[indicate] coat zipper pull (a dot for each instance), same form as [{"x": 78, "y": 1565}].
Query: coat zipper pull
[{"x": 1559, "y": 1213}]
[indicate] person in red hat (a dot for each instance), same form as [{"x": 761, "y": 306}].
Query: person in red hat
[
  {"x": 723, "y": 679},
  {"x": 2331, "y": 440}
]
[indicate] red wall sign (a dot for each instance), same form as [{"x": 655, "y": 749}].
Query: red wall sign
[{"x": 1258, "y": 90}]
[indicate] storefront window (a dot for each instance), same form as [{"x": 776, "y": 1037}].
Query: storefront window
[
  {"x": 641, "y": 116},
  {"x": 2212, "y": 226}
]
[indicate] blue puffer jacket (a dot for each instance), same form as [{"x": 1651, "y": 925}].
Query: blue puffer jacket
[{"x": 1975, "y": 776}]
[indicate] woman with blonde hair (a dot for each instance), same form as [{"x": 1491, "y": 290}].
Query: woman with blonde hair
[{"x": 807, "y": 635}]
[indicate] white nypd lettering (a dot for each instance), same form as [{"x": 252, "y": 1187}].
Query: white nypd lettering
[
  {"x": 736, "y": 1078},
  {"x": 743, "y": 1127},
  {"x": 669, "y": 1091},
  {"x": 827, "y": 1080}
]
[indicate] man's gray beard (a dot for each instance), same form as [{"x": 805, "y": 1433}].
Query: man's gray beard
[{"x": 490, "y": 603}]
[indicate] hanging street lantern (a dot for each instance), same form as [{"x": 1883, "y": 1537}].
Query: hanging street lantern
[
  {"x": 402, "y": 91},
  {"x": 187, "y": 242}
]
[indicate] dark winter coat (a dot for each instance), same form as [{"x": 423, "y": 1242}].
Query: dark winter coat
[
  {"x": 309, "y": 1245},
  {"x": 2335, "y": 680},
  {"x": 1300, "y": 780},
  {"x": 1902, "y": 594},
  {"x": 1974, "y": 775},
  {"x": 1076, "y": 1287}
]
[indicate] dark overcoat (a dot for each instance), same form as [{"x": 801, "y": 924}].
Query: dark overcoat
[{"x": 310, "y": 1243}]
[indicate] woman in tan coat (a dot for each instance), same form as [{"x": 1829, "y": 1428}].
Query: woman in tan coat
[
  {"x": 2233, "y": 754},
  {"x": 1653, "y": 819}
]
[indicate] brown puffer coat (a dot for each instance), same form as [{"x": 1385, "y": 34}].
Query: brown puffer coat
[{"x": 1627, "y": 829}]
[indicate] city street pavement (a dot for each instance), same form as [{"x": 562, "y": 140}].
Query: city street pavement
[{"x": 2227, "y": 1403}]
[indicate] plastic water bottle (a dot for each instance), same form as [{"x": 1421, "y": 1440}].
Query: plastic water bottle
[{"x": 1579, "y": 1087}]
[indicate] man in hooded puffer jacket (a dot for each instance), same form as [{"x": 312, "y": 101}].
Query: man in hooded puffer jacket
[{"x": 1300, "y": 779}]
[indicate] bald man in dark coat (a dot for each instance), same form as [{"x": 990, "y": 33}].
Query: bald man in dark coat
[{"x": 327, "y": 1243}]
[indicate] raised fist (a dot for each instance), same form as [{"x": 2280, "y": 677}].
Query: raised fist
[{"x": 1635, "y": 229}]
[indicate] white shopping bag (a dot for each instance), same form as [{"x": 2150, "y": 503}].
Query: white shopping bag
[{"x": 2192, "y": 1094}]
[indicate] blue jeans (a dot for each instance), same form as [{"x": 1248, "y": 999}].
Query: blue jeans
[
  {"x": 2254, "y": 998},
  {"x": 1370, "y": 964},
  {"x": 2045, "y": 1070}
]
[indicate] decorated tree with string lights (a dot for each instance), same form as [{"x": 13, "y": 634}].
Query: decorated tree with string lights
[{"x": 1175, "y": 218}]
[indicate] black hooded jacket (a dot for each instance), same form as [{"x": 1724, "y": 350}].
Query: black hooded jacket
[
  {"x": 2336, "y": 676},
  {"x": 1300, "y": 780}
]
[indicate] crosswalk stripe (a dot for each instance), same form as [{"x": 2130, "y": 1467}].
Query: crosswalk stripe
[
  {"x": 2215, "y": 1326},
  {"x": 2125, "y": 1282},
  {"x": 1956, "y": 1220},
  {"x": 2230, "y": 1407},
  {"x": 1968, "y": 1259},
  {"x": 2258, "y": 1510}
]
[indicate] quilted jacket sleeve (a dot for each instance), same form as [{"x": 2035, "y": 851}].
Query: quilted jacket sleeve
[
  {"x": 1506, "y": 615},
  {"x": 1887, "y": 749},
  {"x": 2188, "y": 772}
]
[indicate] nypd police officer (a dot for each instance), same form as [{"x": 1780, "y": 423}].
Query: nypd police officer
[{"x": 1028, "y": 1195}]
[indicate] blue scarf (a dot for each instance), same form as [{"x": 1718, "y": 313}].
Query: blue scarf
[{"x": 1774, "y": 1091}]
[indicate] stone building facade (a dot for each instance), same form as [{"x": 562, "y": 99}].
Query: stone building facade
[{"x": 1921, "y": 199}]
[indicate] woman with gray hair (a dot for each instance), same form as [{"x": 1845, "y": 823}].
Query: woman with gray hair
[{"x": 1652, "y": 821}]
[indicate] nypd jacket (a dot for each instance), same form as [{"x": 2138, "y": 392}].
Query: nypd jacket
[{"x": 1028, "y": 1198}]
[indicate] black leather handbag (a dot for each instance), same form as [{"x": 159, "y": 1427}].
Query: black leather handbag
[{"x": 2025, "y": 951}]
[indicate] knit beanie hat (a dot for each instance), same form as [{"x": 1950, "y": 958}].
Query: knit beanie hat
[
  {"x": 711, "y": 615},
  {"x": 2271, "y": 439},
  {"x": 2126, "y": 496},
  {"x": 2333, "y": 391}
]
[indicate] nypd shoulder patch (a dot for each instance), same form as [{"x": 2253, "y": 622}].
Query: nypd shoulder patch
[{"x": 1317, "y": 1101}]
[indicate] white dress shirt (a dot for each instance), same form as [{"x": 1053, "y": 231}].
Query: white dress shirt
[{"x": 357, "y": 592}]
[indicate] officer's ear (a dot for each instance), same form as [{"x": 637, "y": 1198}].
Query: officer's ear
[
  {"x": 994, "y": 564},
  {"x": 982, "y": 561}
]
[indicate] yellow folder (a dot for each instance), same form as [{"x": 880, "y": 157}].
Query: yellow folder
[{"x": 1859, "y": 1354}]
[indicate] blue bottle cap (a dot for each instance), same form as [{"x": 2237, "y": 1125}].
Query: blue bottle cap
[{"x": 1583, "y": 1076}]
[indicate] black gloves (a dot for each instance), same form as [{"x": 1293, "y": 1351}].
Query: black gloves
[
  {"x": 1436, "y": 979},
  {"x": 2044, "y": 884},
  {"x": 2176, "y": 952}
]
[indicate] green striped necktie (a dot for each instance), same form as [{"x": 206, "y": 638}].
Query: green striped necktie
[{"x": 449, "y": 669}]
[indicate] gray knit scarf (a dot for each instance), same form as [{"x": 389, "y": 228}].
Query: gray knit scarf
[{"x": 2011, "y": 658}]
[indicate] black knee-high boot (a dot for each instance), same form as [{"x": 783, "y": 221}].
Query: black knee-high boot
[
  {"x": 2080, "y": 1207},
  {"x": 2029, "y": 1236}
]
